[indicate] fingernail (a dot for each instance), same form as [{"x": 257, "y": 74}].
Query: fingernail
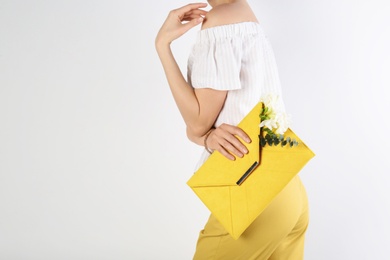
[
  {"x": 248, "y": 140},
  {"x": 200, "y": 19},
  {"x": 244, "y": 150}
]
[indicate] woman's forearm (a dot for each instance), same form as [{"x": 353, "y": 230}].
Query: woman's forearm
[{"x": 182, "y": 92}]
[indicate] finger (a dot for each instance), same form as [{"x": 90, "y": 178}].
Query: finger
[
  {"x": 225, "y": 153},
  {"x": 237, "y": 131},
  {"x": 191, "y": 15},
  {"x": 227, "y": 133},
  {"x": 219, "y": 138},
  {"x": 190, "y": 7},
  {"x": 181, "y": 12},
  {"x": 220, "y": 144},
  {"x": 189, "y": 18},
  {"x": 231, "y": 143},
  {"x": 192, "y": 23},
  {"x": 198, "y": 11},
  {"x": 231, "y": 148}
]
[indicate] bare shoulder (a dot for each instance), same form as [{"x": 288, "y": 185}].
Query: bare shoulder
[{"x": 228, "y": 14}]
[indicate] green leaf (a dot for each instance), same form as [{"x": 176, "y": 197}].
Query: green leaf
[
  {"x": 263, "y": 117},
  {"x": 269, "y": 131},
  {"x": 262, "y": 141}
]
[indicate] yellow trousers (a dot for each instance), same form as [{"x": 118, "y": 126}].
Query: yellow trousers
[{"x": 277, "y": 234}]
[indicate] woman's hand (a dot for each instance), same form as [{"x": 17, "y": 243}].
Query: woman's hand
[
  {"x": 223, "y": 140},
  {"x": 174, "y": 27}
]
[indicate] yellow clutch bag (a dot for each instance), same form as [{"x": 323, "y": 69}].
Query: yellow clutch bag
[{"x": 236, "y": 192}]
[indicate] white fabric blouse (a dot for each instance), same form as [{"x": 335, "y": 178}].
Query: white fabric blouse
[{"x": 238, "y": 58}]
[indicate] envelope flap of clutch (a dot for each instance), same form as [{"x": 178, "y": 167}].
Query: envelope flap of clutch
[{"x": 220, "y": 171}]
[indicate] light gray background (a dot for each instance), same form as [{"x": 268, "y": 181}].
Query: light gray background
[{"x": 93, "y": 153}]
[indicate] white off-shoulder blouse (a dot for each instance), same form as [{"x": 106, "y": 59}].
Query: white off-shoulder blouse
[{"x": 238, "y": 58}]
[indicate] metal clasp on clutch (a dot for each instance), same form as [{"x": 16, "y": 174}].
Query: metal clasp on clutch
[{"x": 247, "y": 173}]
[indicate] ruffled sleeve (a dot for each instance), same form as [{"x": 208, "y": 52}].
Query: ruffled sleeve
[{"x": 215, "y": 60}]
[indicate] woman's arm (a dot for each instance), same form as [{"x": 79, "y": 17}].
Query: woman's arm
[{"x": 198, "y": 107}]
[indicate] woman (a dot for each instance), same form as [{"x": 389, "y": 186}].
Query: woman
[{"x": 230, "y": 67}]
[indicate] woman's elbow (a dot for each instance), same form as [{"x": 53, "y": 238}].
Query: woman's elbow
[{"x": 196, "y": 131}]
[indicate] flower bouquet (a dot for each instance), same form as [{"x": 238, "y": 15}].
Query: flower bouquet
[{"x": 274, "y": 123}]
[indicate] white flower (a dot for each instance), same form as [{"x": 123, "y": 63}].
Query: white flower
[
  {"x": 277, "y": 120},
  {"x": 283, "y": 122},
  {"x": 269, "y": 123},
  {"x": 272, "y": 102}
]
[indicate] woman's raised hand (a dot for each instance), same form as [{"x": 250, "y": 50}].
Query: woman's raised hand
[
  {"x": 224, "y": 140},
  {"x": 174, "y": 27}
]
